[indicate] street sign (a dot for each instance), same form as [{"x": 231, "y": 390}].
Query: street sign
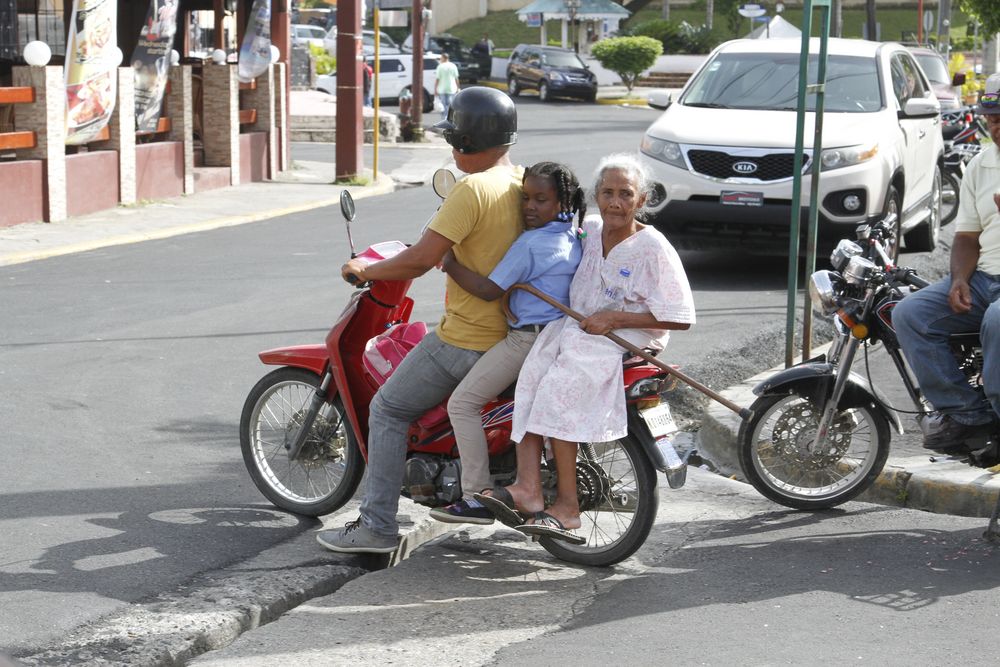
[
  {"x": 395, "y": 4},
  {"x": 534, "y": 20},
  {"x": 751, "y": 11},
  {"x": 928, "y": 20}
]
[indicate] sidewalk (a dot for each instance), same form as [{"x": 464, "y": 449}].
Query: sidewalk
[{"x": 308, "y": 185}]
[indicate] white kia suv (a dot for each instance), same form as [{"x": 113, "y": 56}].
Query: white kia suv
[{"x": 724, "y": 150}]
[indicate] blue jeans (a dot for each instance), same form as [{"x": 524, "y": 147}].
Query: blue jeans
[
  {"x": 923, "y": 322},
  {"x": 446, "y": 99},
  {"x": 427, "y": 375}
]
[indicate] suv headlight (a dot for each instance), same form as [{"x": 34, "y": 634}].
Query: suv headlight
[
  {"x": 835, "y": 158},
  {"x": 664, "y": 151},
  {"x": 556, "y": 76}
]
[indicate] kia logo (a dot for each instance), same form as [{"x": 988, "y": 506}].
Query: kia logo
[{"x": 745, "y": 167}]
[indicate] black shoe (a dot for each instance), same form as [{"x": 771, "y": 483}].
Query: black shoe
[
  {"x": 462, "y": 512},
  {"x": 949, "y": 435}
]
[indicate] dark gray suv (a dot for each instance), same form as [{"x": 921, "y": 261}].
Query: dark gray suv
[{"x": 552, "y": 71}]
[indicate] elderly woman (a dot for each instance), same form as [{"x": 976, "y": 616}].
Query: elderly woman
[{"x": 630, "y": 280}]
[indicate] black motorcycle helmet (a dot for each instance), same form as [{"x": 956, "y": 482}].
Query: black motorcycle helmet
[{"x": 479, "y": 118}]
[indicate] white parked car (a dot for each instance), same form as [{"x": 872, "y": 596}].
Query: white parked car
[
  {"x": 724, "y": 150},
  {"x": 395, "y": 76},
  {"x": 386, "y": 45},
  {"x": 303, "y": 35}
]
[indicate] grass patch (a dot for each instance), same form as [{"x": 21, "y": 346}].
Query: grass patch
[{"x": 357, "y": 179}]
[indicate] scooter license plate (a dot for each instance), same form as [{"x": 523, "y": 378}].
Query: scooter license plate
[{"x": 659, "y": 420}]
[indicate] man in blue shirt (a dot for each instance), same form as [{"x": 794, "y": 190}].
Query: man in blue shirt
[{"x": 545, "y": 256}]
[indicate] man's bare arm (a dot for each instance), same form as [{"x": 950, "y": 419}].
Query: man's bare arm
[{"x": 413, "y": 262}]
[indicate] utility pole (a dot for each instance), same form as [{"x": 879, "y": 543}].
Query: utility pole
[
  {"x": 417, "y": 86},
  {"x": 709, "y": 11},
  {"x": 838, "y": 18},
  {"x": 944, "y": 27},
  {"x": 666, "y": 10},
  {"x": 870, "y": 23},
  {"x": 350, "y": 131}
]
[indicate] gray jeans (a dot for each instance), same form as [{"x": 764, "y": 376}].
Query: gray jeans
[{"x": 428, "y": 374}]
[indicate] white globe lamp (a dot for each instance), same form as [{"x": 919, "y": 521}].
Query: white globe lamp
[
  {"x": 37, "y": 54},
  {"x": 275, "y": 54},
  {"x": 175, "y": 58},
  {"x": 219, "y": 57}
]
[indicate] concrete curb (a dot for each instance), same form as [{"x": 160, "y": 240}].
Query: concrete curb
[
  {"x": 932, "y": 484},
  {"x": 212, "y": 611}
]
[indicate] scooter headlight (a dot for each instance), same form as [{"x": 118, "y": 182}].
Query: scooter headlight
[{"x": 822, "y": 293}]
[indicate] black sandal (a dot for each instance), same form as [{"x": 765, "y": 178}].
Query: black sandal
[
  {"x": 546, "y": 525},
  {"x": 501, "y": 503}
]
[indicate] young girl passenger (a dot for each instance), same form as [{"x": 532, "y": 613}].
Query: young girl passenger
[{"x": 545, "y": 256}]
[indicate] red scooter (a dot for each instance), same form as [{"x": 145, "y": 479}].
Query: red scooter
[{"x": 304, "y": 432}]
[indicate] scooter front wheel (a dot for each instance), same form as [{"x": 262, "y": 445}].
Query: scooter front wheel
[
  {"x": 616, "y": 487},
  {"x": 778, "y": 455},
  {"x": 329, "y": 466}
]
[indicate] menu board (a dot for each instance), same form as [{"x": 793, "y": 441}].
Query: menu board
[{"x": 91, "y": 61}]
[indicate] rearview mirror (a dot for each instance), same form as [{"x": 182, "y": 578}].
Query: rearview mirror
[
  {"x": 920, "y": 107},
  {"x": 442, "y": 182},
  {"x": 660, "y": 99},
  {"x": 347, "y": 205},
  {"x": 958, "y": 79}
]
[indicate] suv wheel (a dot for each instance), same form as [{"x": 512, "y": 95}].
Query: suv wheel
[
  {"x": 892, "y": 206},
  {"x": 543, "y": 92},
  {"x": 512, "y": 88},
  {"x": 924, "y": 237}
]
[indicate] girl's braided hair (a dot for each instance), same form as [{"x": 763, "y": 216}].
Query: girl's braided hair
[{"x": 568, "y": 191}]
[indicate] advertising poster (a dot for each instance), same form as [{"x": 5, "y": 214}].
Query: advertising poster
[
  {"x": 255, "y": 53},
  {"x": 151, "y": 62},
  {"x": 91, "y": 60}
]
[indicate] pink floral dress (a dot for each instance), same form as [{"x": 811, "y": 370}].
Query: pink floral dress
[{"x": 570, "y": 386}]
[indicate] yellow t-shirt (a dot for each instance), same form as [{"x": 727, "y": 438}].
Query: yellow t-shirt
[{"x": 482, "y": 216}]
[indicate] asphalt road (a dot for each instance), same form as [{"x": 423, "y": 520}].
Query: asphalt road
[{"x": 126, "y": 368}]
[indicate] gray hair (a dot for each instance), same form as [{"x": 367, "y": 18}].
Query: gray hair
[
  {"x": 633, "y": 168},
  {"x": 630, "y": 164}
]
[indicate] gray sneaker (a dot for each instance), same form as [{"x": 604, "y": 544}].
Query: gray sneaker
[{"x": 356, "y": 538}]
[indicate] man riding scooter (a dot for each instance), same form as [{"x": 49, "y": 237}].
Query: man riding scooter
[
  {"x": 478, "y": 221},
  {"x": 968, "y": 300}
]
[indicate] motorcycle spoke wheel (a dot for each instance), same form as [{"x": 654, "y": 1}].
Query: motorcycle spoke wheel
[
  {"x": 329, "y": 466},
  {"x": 778, "y": 456},
  {"x": 950, "y": 188},
  {"x": 618, "y": 498}
]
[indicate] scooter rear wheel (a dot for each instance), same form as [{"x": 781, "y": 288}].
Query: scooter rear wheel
[
  {"x": 777, "y": 455},
  {"x": 951, "y": 187},
  {"x": 618, "y": 497},
  {"x": 329, "y": 467}
]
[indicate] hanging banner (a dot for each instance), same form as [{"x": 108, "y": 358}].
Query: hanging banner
[
  {"x": 151, "y": 62},
  {"x": 91, "y": 60},
  {"x": 255, "y": 53}
]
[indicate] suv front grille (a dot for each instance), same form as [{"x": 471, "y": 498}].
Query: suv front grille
[{"x": 717, "y": 164}]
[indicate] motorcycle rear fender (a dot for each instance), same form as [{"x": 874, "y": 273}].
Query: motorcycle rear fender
[
  {"x": 815, "y": 379},
  {"x": 310, "y": 357}
]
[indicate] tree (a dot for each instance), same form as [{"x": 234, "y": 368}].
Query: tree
[
  {"x": 628, "y": 57},
  {"x": 985, "y": 12}
]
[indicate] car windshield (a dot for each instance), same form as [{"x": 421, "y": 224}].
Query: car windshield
[
  {"x": 934, "y": 68},
  {"x": 770, "y": 81},
  {"x": 368, "y": 39},
  {"x": 560, "y": 59}
]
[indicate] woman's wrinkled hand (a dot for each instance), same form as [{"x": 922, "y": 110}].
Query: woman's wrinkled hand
[
  {"x": 600, "y": 323},
  {"x": 353, "y": 272}
]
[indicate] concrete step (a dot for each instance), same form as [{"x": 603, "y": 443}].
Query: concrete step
[
  {"x": 664, "y": 80},
  {"x": 211, "y": 178}
]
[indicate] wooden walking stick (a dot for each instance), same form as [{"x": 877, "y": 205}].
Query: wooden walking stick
[{"x": 715, "y": 396}]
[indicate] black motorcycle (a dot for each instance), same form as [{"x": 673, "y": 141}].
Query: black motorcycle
[
  {"x": 962, "y": 131},
  {"x": 819, "y": 432}
]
